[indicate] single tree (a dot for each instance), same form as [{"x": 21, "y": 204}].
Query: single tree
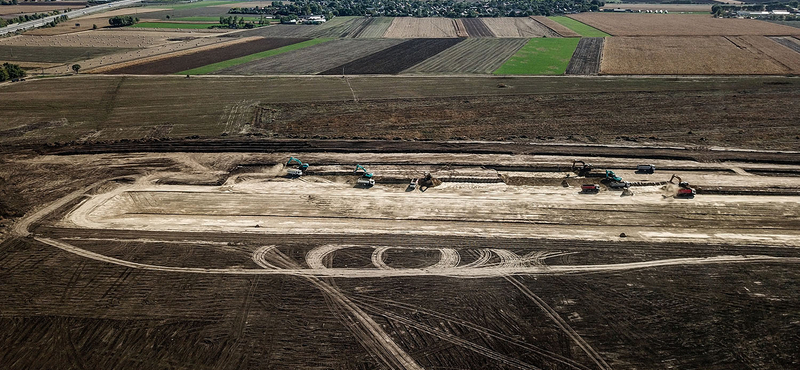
[{"x": 76, "y": 67}]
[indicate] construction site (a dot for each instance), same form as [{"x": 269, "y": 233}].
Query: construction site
[{"x": 337, "y": 259}]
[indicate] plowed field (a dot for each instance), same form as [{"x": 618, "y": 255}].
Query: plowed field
[
  {"x": 789, "y": 42},
  {"x": 314, "y": 59},
  {"x": 477, "y": 28},
  {"x": 481, "y": 55},
  {"x": 587, "y": 56},
  {"x": 372, "y": 28},
  {"x": 202, "y": 58},
  {"x": 408, "y": 27},
  {"x": 680, "y": 25},
  {"x": 689, "y": 55},
  {"x": 518, "y": 27},
  {"x": 396, "y": 58}
]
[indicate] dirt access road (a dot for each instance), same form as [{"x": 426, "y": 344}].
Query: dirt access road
[{"x": 154, "y": 258}]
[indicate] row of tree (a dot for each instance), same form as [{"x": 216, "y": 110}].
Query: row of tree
[
  {"x": 9, "y": 2},
  {"x": 122, "y": 21},
  {"x": 11, "y": 72},
  {"x": 26, "y": 17},
  {"x": 730, "y": 10},
  {"x": 235, "y": 22},
  {"x": 424, "y": 8}
]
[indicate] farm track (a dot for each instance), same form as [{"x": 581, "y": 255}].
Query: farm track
[
  {"x": 313, "y": 59},
  {"x": 394, "y": 59},
  {"x": 477, "y": 28},
  {"x": 474, "y": 55},
  {"x": 587, "y": 57},
  {"x": 199, "y": 59}
]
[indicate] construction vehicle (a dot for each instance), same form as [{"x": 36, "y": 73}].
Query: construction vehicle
[
  {"x": 301, "y": 167},
  {"x": 646, "y": 168},
  {"x": 619, "y": 185},
  {"x": 365, "y": 173},
  {"x": 413, "y": 184},
  {"x": 365, "y": 182},
  {"x": 590, "y": 188},
  {"x": 684, "y": 190},
  {"x": 612, "y": 177},
  {"x": 583, "y": 169}
]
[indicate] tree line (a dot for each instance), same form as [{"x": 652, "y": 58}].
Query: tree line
[
  {"x": 11, "y": 72},
  {"x": 29, "y": 17},
  {"x": 424, "y": 8}
]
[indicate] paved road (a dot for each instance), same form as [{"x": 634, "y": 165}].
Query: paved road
[{"x": 73, "y": 14}]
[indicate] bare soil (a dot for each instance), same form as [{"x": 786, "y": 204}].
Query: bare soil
[
  {"x": 587, "y": 57},
  {"x": 394, "y": 59},
  {"x": 680, "y": 25}
]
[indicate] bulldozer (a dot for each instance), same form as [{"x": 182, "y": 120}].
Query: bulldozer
[
  {"x": 684, "y": 190},
  {"x": 301, "y": 167}
]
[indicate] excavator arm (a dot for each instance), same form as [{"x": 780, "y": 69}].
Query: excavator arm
[{"x": 360, "y": 167}]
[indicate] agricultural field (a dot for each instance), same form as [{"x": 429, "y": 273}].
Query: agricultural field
[
  {"x": 314, "y": 59},
  {"x": 680, "y": 25},
  {"x": 697, "y": 55},
  {"x": 174, "y": 25},
  {"x": 540, "y": 56},
  {"x": 578, "y": 27},
  {"x": 394, "y": 59},
  {"x": 795, "y": 24},
  {"x": 587, "y": 57},
  {"x": 474, "y": 55},
  {"x": 191, "y": 60},
  {"x": 558, "y": 28},
  {"x": 672, "y": 8},
  {"x": 232, "y": 63},
  {"x": 372, "y": 27},
  {"x": 49, "y": 54},
  {"x": 517, "y": 27},
  {"x": 475, "y": 27},
  {"x": 790, "y": 42},
  {"x": 409, "y": 27}
]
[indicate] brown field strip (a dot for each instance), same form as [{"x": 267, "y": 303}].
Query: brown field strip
[
  {"x": 461, "y": 30},
  {"x": 373, "y": 28},
  {"x": 474, "y": 55},
  {"x": 789, "y": 42},
  {"x": 396, "y": 58},
  {"x": 587, "y": 57},
  {"x": 409, "y": 28},
  {"x": 703, "y": 55},
  {"x": 213, "y": 54},
  {"x": 476, "y": 27},
  {"x": 680, "y": 25},
  {"x": 555, "y": 26},
  {"x": 518, "y": 27}
]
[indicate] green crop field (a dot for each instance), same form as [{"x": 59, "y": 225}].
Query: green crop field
[
  {"x": 581, "y": 28},
  {"x": 540, "y": 56},
  {"x": 249, "y": 58},
  {"x": 174, "y": 25}
]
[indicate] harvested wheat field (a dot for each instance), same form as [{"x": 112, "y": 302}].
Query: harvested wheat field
[
  {"x": 518, "y": 27},
  {"x": 474, "y": 55},
  {"x": 680, "y": 25},
  {"x": 410, "y": 28},
  {"x": 556, "y": 27},
  {"x": 104, "y": 38},
  {"x": 704, "y": 55}
]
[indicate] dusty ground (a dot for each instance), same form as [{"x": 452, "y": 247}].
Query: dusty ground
[{"x": 183, "y": 260}]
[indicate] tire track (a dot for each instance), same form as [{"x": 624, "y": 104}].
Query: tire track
[
  {"x": 550, "y": 312},
  {"x": 484, "y": 255},
  {"x": 378, "y": 260},
  {"x": 483, "y": 330},
  {"x": 449, "y": 259},
  {"x": 260, "y": 257}
]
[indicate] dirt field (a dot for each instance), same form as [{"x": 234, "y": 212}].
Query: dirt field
[
  {"x": 314, "y": 59},
  {"x": 476, "y": 27},
  {"x": 680, "y": 25},
  {"x": 459, "y": 109},
  {"x": 394, "y": 59},
  {"x": 556, "y": 27},
  {"x": 789, "y": 42},
  {"x": 482, "y": 55},
  {"x": 152, "y": 268},
  {"x": 183, "y": 62},
  {"x": 587, "y": 57},
  {"x": 409, "y": 27},
  {"x": 517, "y": 27},
  {"x": 49, "y": 54},
  {"x": 692, "y": 55},
  {"x": 100, "y": 38}
]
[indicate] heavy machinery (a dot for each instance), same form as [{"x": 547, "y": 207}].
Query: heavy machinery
[
  {"x": 413, "y": 184},
  {"x": 612, "y": 177},
  {"x": 646, "y": 168},
  {"x": 684, "y": 190},
  {"x": 583, "y": 169},
  {"x": 301, "y": 167},
  {"x": 590, "y": 188},
  {"x": 365, "y": 173},
  {"x": 366, "y": 179}
]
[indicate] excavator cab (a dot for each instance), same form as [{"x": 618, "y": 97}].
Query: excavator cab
[
  {"x": 583, "y": 169},
  {"x": 302, "y": 166},
  {"x": 611, "y": 176},
  {"x": 684, "y": 191}
]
